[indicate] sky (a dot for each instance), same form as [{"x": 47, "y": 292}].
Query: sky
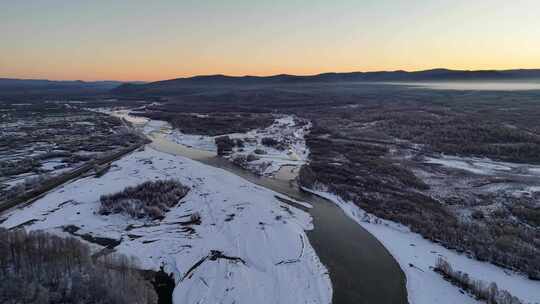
[{"x": 153, "y": 40}]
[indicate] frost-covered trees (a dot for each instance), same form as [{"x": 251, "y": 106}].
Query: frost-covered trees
[
  {"x": 460, "y": 133},
  {"x": 28, "y": 184},
  {"x": 149, "y": 199},
  {"x": 489, "y": 293},
  {"x": 40, "y": 268},
  {"x": 364, "y": 174}
]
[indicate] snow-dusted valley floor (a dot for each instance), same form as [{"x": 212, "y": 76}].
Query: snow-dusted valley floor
[
  {"x": 272, "y": 259},
  {"x": 415, "y": 255},
  {"x": 287, "y": 132}
]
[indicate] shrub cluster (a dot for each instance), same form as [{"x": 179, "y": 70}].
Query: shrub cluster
[
  {"x": 40, "y": 268},
  {"x": 225, "y": 144},
  {"x": 273, "y": 143},
  {"x": 149, "y": 199}
]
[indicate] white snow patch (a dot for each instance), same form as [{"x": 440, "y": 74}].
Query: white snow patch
[
  {"x": 535, "y": 171},
  {"x": 200, "y": 142},
  {"x": 280, "y": 264},
  {"x": 284, "y": 130},
  {"x": 481, "y": 166}
]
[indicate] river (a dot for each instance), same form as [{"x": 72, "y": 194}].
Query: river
[{"x": 361, "y": 269}]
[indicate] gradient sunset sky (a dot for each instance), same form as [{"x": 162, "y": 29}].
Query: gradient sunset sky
[{"x": 153, "y": 40}]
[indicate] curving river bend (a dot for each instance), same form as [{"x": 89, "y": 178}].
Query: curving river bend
[{"x": 361, "y": 269}]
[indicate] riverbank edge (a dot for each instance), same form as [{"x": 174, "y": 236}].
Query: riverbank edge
[{"x": 512, "y": 282}]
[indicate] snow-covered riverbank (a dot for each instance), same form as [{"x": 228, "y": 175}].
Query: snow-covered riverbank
[
  {"x": 416, "y": 256},
  {"x": 287, "y": 132},
  {"x": 238, "y": 219}
]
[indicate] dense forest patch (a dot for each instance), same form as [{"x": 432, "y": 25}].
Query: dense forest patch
[
  {"x": 41, "y": 268},
  {"x": 213, "y": 124},
  {"x": 386, "y": 186}
]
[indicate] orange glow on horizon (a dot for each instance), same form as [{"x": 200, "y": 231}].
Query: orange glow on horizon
[{"x": 103, "y": 40}]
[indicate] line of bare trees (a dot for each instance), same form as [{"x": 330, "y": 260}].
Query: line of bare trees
[{"x": 489, "y": 293}]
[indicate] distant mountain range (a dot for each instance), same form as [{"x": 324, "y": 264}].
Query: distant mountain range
[
  {"x": 21, "y": 89},
  {"x": 181, "y": 84},
  {"x": 16, "y": 89},
  {"x": 13, "y": 83}
]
